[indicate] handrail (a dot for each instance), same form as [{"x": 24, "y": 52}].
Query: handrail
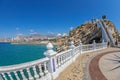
[
  {"x": 22, "y": 65},
  {"x": 63, "y": 52}
]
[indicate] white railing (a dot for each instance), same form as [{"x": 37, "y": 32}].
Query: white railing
[
  {"x": 50, "y": 67},
  {"x": 31, "y": 70},
  {"x": 87, "y": 47}
]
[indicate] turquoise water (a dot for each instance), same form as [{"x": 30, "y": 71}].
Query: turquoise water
[{"x": 18, "y": 53}]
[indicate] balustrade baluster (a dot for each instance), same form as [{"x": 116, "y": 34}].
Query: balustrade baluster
[
  {"x": 87, "y": 47},
  {"x": 1, "y": 78},
  {"x": 16, "y": 75},
  {"x": 45, "y": 67},
  {"x": 10, "y": 76},
  {"x": 29, "y": 74},
  {"x": 41, "y": 71},
  {"x": 35, "y": 72},
  {"x": 65, "y": 57},
  {"x": 69, "y": 55},
  {"x": 3, "y": 75},
  {"x": 23, "y": 75},
  {"x": 59, "y": 61}
]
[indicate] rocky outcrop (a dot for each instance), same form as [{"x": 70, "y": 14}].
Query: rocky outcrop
[{"x": 86, "y": 33}]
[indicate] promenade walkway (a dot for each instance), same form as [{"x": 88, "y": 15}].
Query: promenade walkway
[
  {"x": 79, "y": 70},
  {"x": 99, "y": 66}
]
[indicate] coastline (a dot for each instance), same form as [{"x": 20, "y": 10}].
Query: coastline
[{"x": 34, "y": 43}]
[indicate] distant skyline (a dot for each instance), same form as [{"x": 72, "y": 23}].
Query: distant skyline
[{"x": 52, "y": 16}]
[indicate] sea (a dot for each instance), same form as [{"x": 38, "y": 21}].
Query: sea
[{"x": 11, "y": 54}]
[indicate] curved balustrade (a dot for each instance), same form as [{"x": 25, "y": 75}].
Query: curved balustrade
[
  {"x": 62, "y": 57},
  {"x": 76, "y": 50},
  {"x": 99, "y": 45},
  {"x": 31, "y": 70},
  {"x": 50, "y": 67},
  {"x": 87, "y": 47}
]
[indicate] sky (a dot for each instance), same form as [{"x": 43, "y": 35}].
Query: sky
[{"x": 52, "y": 16}]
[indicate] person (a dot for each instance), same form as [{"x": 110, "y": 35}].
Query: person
[
  {"x": 108, "y": 44},
  {"x": 116, "y": 43}
]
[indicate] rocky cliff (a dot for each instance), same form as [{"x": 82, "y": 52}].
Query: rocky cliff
[{"x": 86, "y": 32}]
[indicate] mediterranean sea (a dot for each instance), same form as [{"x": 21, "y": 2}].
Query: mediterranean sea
[{"x": 20, "y": 53}]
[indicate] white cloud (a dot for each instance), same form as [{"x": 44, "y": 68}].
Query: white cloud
[{"x": 32, "y": 32}]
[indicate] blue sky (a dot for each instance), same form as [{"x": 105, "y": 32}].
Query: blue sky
[{"x": 57, "y": 16}]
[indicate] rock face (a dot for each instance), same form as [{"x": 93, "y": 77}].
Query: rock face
[{"x": 86, "y": 33}]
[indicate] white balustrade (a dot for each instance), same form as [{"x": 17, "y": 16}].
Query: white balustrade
[
  {"x": 41, "y": 71},
  {"x": 58, "y": 61},
  {"x": 61, "y": 59},
  {"x": 51, "y": 66},
  {"x": 90, "y": 47},
  {"x": 29, "y": 74},
  {"x": 23, "y": 75},
  {"x": 3, "y": 75},
  {"x": 16, "y": 75},
  {"x": 10, "y": 76},
  {"x": 45, "y": 68},
  {"x": 84, "y": 48},
  {"x": 35, "y": 72},
  {"x": 21, "y": 67}
]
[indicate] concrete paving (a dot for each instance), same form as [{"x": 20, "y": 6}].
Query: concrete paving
[
  {"x": 110, "y": 65},
  {"x": 79, "y": 70}
]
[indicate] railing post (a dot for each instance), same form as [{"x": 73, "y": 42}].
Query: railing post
[
  {"x": 41, "y": 71},
  {"x": 94, "y": 45},
  {"x": 50, "y": 53},
  {"x": 23, "y": 75},
  {"x": 29, "y": 74},
  {"x": 1, "y": 77},
  {"x": 5, "y": 78},
  {"x": 72, "y": 47},
  {"x": 35, "y": 72},
  {"x": 80, "y": 47},
  {"x": 10, "y": 76},
  {"x": 16, "y": 75}
]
